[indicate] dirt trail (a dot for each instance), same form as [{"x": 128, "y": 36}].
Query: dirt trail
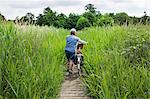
[{"x": 72, "y": 89}]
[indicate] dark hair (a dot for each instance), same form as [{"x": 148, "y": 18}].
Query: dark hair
[
  {"x": 72, "y": 33},
  {"x": 79, "y": 46}
]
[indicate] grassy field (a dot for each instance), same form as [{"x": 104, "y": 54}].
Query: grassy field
[
  {"x": 31, "y": 61},
  {"x": 117, "y": 61}
]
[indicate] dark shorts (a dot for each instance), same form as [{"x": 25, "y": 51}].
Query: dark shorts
[{"x": 70, "y": 55}]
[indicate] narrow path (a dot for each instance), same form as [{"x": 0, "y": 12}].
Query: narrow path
[{"x": 72, "y": 89}]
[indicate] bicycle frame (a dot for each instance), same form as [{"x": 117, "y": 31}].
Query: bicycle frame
[
  {"x": 79, "y": 60},
  {"x": 79, "y": 57}
]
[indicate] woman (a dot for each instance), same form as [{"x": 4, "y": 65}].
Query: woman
[{"x": 71, "y": 43}]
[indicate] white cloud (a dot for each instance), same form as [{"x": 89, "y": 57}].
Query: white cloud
[{"x": 13, "y": 8}]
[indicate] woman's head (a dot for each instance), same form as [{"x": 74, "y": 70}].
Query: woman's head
[{"x": 73, "y": 31}]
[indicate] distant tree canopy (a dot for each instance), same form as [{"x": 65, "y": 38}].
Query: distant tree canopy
[
  {"x": 40, "y": 20},
  {"x": 71, "y": 21},
  {"x": 47, "y": 18},
  {"x": 91, "y": 17},
  {"x": 60, "y": 20},
  {"x": 28, "y": 18}
]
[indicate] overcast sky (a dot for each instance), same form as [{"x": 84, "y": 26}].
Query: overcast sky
[{"x": 12, "y": 8}]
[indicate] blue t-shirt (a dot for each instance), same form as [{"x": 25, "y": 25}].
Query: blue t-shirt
[{"x": 71, "y": 42}]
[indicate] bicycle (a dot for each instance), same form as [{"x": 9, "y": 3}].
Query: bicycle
[{"x": 79, "y": 61}]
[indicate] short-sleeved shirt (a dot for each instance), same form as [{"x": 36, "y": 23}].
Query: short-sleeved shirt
[{"x": 71, "y": 42}]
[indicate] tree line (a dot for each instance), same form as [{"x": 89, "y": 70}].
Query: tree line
[{"x": 90, "y": 17}]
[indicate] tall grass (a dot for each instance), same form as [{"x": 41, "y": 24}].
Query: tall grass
[
  {"x": 110, "y": 70},
  {"x": 30, "y": 60},
  {"x": 117, "y": 61}
]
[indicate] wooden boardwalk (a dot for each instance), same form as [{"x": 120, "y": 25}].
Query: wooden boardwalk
[{"x": 73, "y": 89}]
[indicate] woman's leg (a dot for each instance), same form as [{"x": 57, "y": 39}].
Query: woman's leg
[{"x": 71, "y": 63}]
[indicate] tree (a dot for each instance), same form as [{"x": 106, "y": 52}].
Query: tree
[
  {"x": 49, "y": 16},
  {"x": 90, "y": 16},
  {"x": 60, "y": 20},
  {"x": 145, "y": 19},
  {"x": 28, "y": 18},
  {"x": 82, "y": 23},
  {"x": 90, "y": 8},
  {"x": 134, "y": 20},
  {"x": 40, "y": 20},
  {"x": 122, "y": 18},
  {"x": 105, "y": 20},
  {"x": 112, "y": 15},
  {"x": 71, "y": 21}
]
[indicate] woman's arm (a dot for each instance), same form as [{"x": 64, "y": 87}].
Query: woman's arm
[{"x": 82, "y": 41}]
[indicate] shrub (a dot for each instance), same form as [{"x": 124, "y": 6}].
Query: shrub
[{"x": 137, "y": 49}]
